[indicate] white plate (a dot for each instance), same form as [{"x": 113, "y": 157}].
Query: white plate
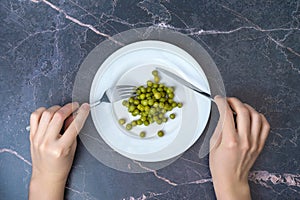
[{"x": 132, "y": 64}]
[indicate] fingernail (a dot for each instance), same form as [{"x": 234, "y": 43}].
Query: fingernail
[
  {"x": 217, "y": 97},
  {"x": 85, "y": 106},
  {"x": 76, "y": 104}
]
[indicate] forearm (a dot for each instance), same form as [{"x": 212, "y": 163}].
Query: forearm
[{"x": 47, "y": 190}]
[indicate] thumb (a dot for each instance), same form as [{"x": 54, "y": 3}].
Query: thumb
[{"x": 216, "y": 138}]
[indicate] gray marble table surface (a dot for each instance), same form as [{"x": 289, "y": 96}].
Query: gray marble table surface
[{"x": 255, "y": 44}]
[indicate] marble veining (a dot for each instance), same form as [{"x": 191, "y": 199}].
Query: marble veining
[{"x": 256, "y": 46}]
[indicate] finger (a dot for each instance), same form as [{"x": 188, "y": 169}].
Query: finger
[
  {"x": 242, "y": 118},
  {"x": 45, "y": 120},
  {"x": 35, "y": 120},
  {"x": 72, "y": 131},
  {"x": 256, "y": 122},
  {"x": 59, "y": 117},
  {"x": 68, "y": 121},
  {"x": 216, "y": 137},
  {"x": 264, "y": 132},
  {"x": 225, "y": 129}
]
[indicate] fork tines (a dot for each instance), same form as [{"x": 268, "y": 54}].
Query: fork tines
[{"x": 125, "y": 90}]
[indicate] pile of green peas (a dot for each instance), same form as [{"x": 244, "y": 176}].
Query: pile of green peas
[{"x": 151, "y": 103}]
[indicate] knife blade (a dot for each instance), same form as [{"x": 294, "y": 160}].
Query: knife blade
[{"x": 184, "y": 82}]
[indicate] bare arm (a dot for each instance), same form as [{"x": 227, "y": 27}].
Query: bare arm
[
  {"x": 234, "y": 152},
  {"x": 52, "y": 153}
]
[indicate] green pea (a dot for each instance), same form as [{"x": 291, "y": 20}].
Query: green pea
[
  {"x": 125, "y": 103},
  {"x": 170, "y": 89},
  {"x": 142, "y": 134},
  {"x": 131, "y": 108},
  {"x": 169, "y": 108},
  {"x": 128, "y": 126},
  {"x": 143, "y": 118},
  {"x": 149, "y": 83},
  {"x": 142, "y": 96},
  {"x": 135, "y": 112},
  {"x": 134, "y": 123},
  {"x": 159, "y": 121},
  {"x": 122, "y": 121},
  {"x": 147, "y": 109},
  {"x": 174, "y": 104},
  {"x": 140, "y": 107},
  {"x": 160, "y": 89},
  {"x": 156, "y": 79},
  {"x": 166, "y": 106},
  {"x": 150, "y": 120},
  {"x": 160, "y": 133},
  {"x": 157, "y": 95},
  {"x": 179, "y": 105},
  {"x": 144, "y": 114},
  {"x": 150, "y": 102},
  {"x": 143, "y": 89},
  {"x": 171, "y": 95},
  {"x": 144, "y": 102},
  {"x": 155, "y": 73},
  {"x": 162, "y": 99},
  {"x": 161, "y": 105},
  {"x": 146, "y": 123},
  {"x": 131, "y": 100},
  {"x": 155, "y": 105},
  {"x": 152, "y": 111},
  {"x": 136, "y": 102},
  {"x": 172, "y": 116}
]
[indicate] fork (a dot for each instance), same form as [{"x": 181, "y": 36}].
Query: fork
[
  {"x": 111, "y": 95},
  {"x": 114, "y": 94}
]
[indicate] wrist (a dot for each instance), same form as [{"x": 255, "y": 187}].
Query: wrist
[
  {"x": 232, "y": 191},
  {"x": 49, "y": 176},
  {"x": 46, "y": 188}
]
